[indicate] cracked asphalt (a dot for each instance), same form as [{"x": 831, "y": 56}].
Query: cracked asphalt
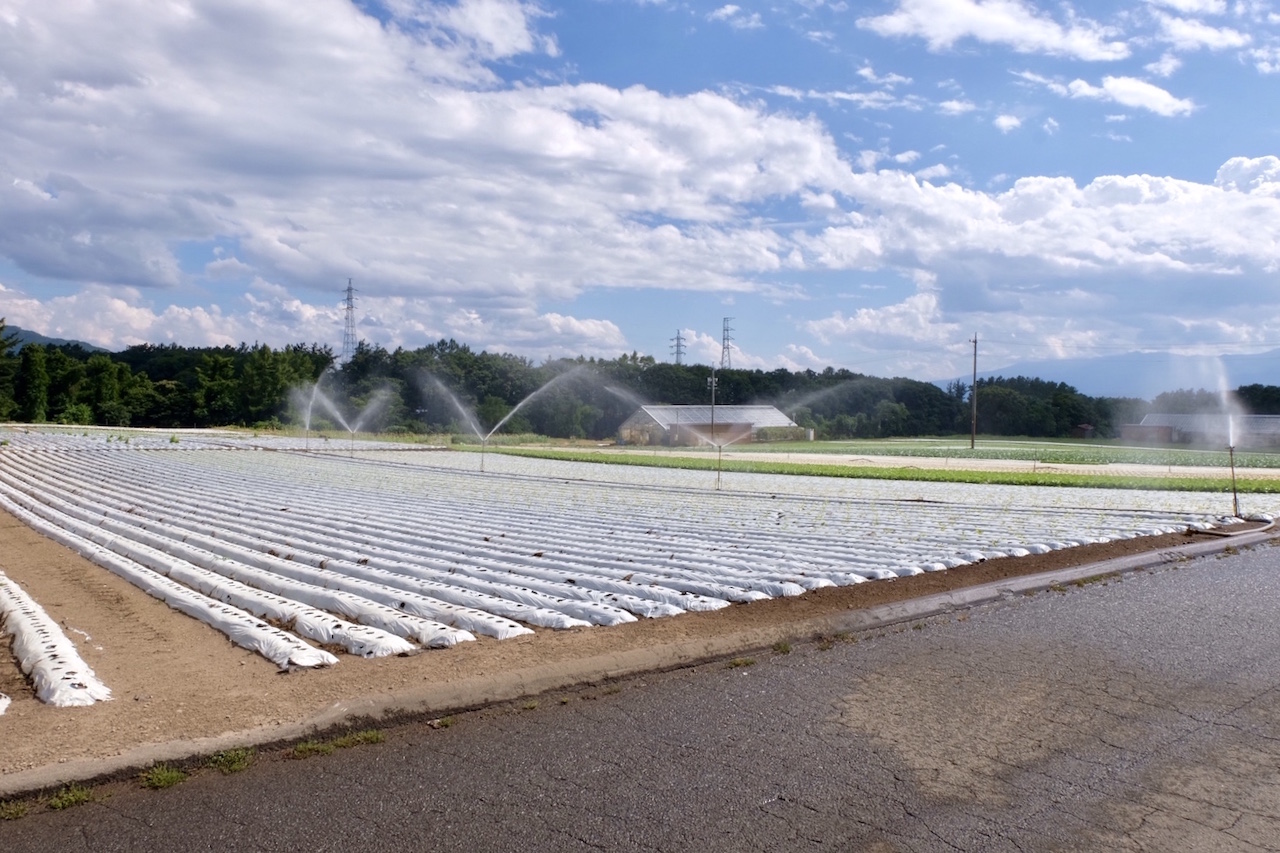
[{"x": 1135, "y": 714}]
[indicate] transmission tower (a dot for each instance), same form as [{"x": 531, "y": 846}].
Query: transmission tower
[
  {"x": 349, "y": 328},
  {"x": 677, "y": 347},
  {"x": 726, "y": 348}
]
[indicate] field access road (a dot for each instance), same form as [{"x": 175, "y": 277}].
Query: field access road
[{"x": 1139, "y": 714}]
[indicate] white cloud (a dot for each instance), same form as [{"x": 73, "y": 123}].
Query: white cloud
[
  {"x": 1132, "y": 92},
  {"x": 1266, "y": 59},
  {"x": 1193, "y": 7},
  {"x": 868, "y": 73},
  {"x": 1012, "y": 23},
  {"x": 1125, "y": 91},
  {"x": 1165, "y": 66},
  {"x": 917, "y": 318},
  {"x": 1188, "y": 34},
  {"x": 1006, "y": 123},
  {"x": 734, "y": 17},
  {"x": 956, "y": 107},
  {"x": 1051, "y": 126},
  {"x": 906, "y": 157},
  {"x": 938, "y": 170},
  {"x": 882, "y": 99}
]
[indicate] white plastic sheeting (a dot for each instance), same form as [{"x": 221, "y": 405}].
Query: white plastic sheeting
[
  {"x": 4, "y": 703},
  {"x": 281, "y": 648},
  {"x": 45, "y": 655},
  {"x": 429, "y": 544}
]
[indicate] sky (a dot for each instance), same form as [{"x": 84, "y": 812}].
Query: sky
[{"x": 861, "y": 185}]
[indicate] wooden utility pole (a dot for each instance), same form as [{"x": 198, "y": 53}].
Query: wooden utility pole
[{"x": 973, "y": 396}]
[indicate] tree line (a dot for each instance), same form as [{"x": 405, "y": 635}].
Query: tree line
[{"x": 448, "y": 387}]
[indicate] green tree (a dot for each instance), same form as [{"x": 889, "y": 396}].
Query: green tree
[
  {"x": 8, "y": 369},
  {"x": 217, "y": 391},
  {"x": 33, "y": 385},
  {"x": 102, "y": 391}
]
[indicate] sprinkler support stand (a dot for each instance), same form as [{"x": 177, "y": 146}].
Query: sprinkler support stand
[{"x": 1235, "y": 495}]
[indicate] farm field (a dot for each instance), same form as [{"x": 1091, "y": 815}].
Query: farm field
[
  {"x": 1043, "y": 451},
  {"x": 309, "y": 554}
]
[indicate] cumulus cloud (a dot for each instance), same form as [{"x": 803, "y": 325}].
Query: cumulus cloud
[
  {"x": 736, "y": 18},
  {"x": 1193, "y": 7},
  {"x": 917, "y": 318},
  {"x": 929, "y": 173},
  {"x": 1011, "y": 23},
  {"x": 313, "y": 148},
  {"x": 1125, "y": 91},
  {"x": 1189, "y": 34},
  {"x": 1006, "y": 123},
  {"x": 1165, "y": 66},
  {"x": 954, "y": 107}
]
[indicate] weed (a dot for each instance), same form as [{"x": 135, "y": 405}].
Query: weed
[
  {"x": 360, "y": 738},
  {"x": 826, "y": 644},
  {"x": 162, "y": 776},
  {"x": 72, "y": 795},
  {"x": 309, "y": 748},
  {"x": 741, "y": 662},
  {"x": 782, "y": 647},
  {"x": 231, "y": 760},
  {"x": 919, "y": 626},
  {"x": 441, "y": 723},
  {"x": 564, "y": 700},
  {"x": 1057, "y": 587},
  {"x": 609, "y": 691},
  {"x": 12, "y": 810},
  {"x": 173, "y": 439},
  {"x": 531, "y": 705}
]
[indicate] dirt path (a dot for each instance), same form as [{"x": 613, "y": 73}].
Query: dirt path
[{"x": 176, "y": 679}]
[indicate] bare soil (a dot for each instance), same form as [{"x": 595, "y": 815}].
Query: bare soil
[{"x": 176, "y": 679}]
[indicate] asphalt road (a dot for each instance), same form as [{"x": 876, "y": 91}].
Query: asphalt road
[{"x": 1142, "y": 714}]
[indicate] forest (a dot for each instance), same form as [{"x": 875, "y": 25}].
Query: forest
[{"x": 448, "y": 387}]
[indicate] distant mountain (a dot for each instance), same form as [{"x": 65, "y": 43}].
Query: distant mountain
[
  {"x": 27, "y": 337},
  {"x": 1145, "y": 375}
]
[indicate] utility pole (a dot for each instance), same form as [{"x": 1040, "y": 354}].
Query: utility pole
[
  {"x": 349, "y": 327},
  {"x": 678, "y": 347},
  {"x": 726, "y": 360},
  {"x": 973, "y": 396},
  {"x": 711, "y": 384}
]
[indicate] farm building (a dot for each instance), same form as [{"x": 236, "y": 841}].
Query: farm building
[
  {"x": 691, "y": 425},
  {"x": 1207, "y": 430}
]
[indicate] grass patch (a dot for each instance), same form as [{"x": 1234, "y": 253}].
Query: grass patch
[
  {"x": 162, "y": 776},
  {"x": 441, "y": 723},
  {"x": 782, "y": 647},
  {"x": 13, "y": 810},
  {"x": 311, "y": 748},
  {"x": 937, "y": 475},
  {"x": 738, "y": 663},
  {"x": 72, "y": 795},
  {"x": 531, "y": 705},
  {"x": 231, "y": 760},
  {"x": 360, "y": 738}
]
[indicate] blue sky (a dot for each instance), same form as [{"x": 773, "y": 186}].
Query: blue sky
[{"x": 856, "y": 185}]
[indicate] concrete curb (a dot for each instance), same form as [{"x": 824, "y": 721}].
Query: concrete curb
[{"x": 473, "y": 693}]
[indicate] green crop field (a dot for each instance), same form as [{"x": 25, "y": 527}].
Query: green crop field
[
  {"x": 1056, "y": 452},
  {"x": 708, "y": 461}
]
